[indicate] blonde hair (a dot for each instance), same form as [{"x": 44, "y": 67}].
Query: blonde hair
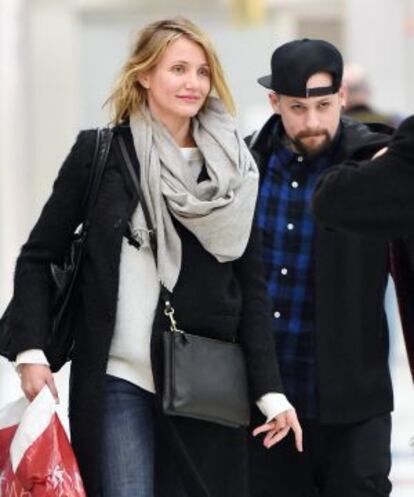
[{"x": 128, "y": 95}]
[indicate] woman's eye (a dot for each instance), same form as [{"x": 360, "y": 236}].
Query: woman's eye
[
  {"x": 178, "y": 69},
  {"x": 205, "y": 72}
]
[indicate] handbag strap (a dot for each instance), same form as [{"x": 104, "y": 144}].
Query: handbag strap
[
  {"x": 165, "y": 294},
  {"x": 100, "y": 157},
  {"x": 140, "y": 193}
]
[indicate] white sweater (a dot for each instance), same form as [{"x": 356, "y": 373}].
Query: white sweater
[{"x": 129, "y": 356}]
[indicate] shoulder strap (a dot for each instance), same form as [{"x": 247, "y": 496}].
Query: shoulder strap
[
  {"x": 102, "y": 148},
  {"x": 93, "y": 170},
  {"x": 136, "y": 183}
]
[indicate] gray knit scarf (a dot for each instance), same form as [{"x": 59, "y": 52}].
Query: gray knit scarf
[{"x": 218, "y": 211}]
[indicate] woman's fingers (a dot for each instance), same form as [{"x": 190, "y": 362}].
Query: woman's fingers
[
  {"x": 264, "y": 428},
  {"x": 52, "y": 387},
  {"x": 34, "y": 377},
  {"x": 297, "y": 430},
  {"x": 278, "y": 428},
  {"x": 275, "y": 430},
  {"x": 275, "y": 436},
  {"x": 278, "y": 423}
]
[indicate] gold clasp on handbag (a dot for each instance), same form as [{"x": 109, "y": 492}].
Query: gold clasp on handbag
[{"x": 169, "y": 312}]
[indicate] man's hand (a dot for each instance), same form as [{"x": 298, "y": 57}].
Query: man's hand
[
  {"x": 279, "y": 427},
  {"x": 34, "y": 377}
]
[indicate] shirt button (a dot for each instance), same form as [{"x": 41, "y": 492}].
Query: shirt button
[
  {"x": 294, "y": 184},
  {"x": 290, "y": 226},
  {"x": 276, "y": 314},
  {"x": 284, "y": 271},
  {"x": 300, "y": 158}
]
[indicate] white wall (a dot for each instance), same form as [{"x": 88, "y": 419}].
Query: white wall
[{"x": 380, "y": 36}]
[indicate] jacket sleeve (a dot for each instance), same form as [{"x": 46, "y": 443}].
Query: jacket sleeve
[
  {"x": 372, "y": 197},
  {"x": 255, "y": 330},
  {"x": 29, "y": 318},
  {"x": 402, "y": 269}
]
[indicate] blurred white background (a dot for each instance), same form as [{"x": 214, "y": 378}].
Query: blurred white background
[{"x": 58, "y": 59}]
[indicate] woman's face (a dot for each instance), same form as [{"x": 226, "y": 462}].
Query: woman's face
[{"x": 180, "y": 83}]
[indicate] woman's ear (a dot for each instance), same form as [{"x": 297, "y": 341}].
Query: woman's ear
[{"x": 144, "y": 80}]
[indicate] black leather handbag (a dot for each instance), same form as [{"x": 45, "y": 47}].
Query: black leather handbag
[
  {"x": 204, "y": 378},
  {"x": 60, "y": 341}
]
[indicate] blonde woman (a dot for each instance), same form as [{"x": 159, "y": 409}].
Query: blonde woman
[{"x": 174, "y": 110}]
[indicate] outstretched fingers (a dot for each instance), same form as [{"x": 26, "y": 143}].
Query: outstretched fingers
[
  {"x": 297, "y": 430},
  {"x": 277, "y": 429}
]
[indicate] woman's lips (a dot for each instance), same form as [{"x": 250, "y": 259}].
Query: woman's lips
[{"x": 188, "y": 98}]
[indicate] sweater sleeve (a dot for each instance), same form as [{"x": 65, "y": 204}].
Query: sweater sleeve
[
  {"x": 48, "y": 242},
  {"x": 256, "y": 325},
  {"x": 32, "y": 356},
  {"x": 372, "y": 197},
  {"x": 273, "y": 404}
]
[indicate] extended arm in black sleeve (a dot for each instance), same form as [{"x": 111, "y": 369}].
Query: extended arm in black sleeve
[
  {"x": 256, "y": 325},
  {"x": 374, "y": 197}
]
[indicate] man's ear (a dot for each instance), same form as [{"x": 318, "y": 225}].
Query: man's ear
[
  {"x": 274, "y": 100},
  {"x": 343, "y": 95}
]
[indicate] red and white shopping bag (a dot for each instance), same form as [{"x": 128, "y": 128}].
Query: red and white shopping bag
[{"x": 36, "y": 458}]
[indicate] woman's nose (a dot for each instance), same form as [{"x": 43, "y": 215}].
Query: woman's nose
[{"x": 192, "y": 79}]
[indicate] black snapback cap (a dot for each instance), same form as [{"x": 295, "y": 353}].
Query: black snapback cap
[{"x": 293, "y": 63}]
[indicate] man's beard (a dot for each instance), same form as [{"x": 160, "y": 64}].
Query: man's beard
[{"x": 311, "y": 151}]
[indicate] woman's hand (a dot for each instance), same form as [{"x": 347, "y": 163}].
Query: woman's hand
[
  {"x": 34, "y": 377},
  {"x": 279, "y": 427}
]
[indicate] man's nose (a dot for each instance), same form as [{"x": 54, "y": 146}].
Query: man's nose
[{"x": 312, "y": 119}]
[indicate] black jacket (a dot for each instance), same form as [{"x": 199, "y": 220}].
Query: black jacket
[
  {"x": 351, "y": 272},
  {"x": 375, "y": 198},
  {"x": 212, "y": 299}
]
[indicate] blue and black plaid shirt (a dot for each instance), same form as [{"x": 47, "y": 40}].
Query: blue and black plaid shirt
[{"x": 284, "y": 215}]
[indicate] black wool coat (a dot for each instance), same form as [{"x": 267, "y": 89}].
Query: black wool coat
[
  {"x": 351, "y": 272},
  {"x": 211, "y": 299}
]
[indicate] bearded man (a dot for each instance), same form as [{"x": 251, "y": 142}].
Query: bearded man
[{"x": 327, "y": 291}]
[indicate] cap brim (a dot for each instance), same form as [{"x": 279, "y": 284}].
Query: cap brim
[{"x": 266, "y": 81}]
